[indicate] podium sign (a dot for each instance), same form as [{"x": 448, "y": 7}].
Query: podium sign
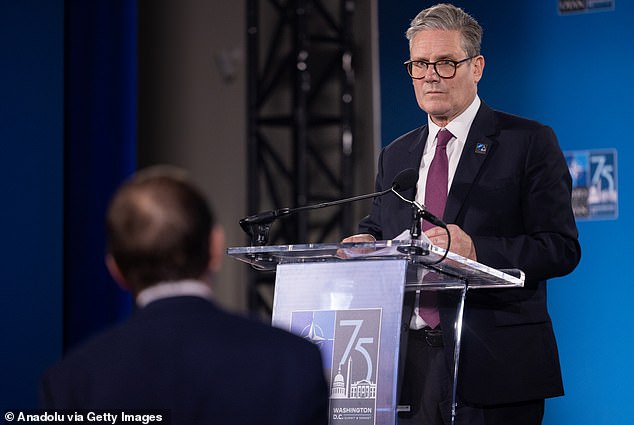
[
  {"x": 352, "y": 312},
  {"x": 351, "y": 307}
]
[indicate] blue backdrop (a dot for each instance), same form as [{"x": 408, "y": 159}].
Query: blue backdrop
[
  {"x": 31, "y": 184},
  {"x": 100, "y": 120},
  {"x": 572, "y": 72},
  {"x": 68, "y": 135}
]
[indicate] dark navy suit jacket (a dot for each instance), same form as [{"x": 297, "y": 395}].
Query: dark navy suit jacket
[
  {"x": 512, "y": 194},
  {"x": 203, "y": 364}
]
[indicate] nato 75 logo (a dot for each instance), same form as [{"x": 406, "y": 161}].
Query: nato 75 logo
[{"x": 594, "y": 183}]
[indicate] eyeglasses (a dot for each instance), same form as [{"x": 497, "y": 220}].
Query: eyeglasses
[{"x": 445, "y": 68}]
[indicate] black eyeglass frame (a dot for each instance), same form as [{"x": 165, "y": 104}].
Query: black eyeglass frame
[{"x": 408, "y": 66}]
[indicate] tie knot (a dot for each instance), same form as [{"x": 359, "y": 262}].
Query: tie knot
[{"x": 443, "y": 137}]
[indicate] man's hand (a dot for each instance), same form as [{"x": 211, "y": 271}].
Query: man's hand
[
  {"x": 461, "y": 243},
  {"x": 361, "y": 237}
]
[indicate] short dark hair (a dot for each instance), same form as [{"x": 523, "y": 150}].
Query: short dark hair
[{"x": 158, "y": 226}]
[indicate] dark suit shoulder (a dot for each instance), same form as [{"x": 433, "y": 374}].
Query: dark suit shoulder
[
  {"x": 508, "y": 121},
  {"x": 256, "y": 332},
  {"x": 181, "y": 321},
  {"x": 215, "y": 326},
  {"x": 406, "y": 142}
]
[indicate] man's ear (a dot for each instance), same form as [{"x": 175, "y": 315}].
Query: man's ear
[
  {"x": 216, "y": 248},
  {"x": 478, "y": 68},
  {"x": 115, "y": 272}
]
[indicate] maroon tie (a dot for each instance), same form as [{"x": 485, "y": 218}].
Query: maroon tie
[
  {"x": 438, "y": 178},
  {"x": 435, "y": 200}
]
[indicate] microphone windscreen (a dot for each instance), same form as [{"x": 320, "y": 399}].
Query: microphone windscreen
[{"x": 406, "y": 179}]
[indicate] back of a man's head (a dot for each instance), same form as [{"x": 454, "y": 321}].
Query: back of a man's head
[{"x": 158, "y": 227}]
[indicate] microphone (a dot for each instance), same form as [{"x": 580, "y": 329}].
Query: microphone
[
  {"x": 424, "y": 213},
  {"x": 420, "y": 212},
  {"x": 258, "y": 225},
  {"x": 405, "y": 180}
]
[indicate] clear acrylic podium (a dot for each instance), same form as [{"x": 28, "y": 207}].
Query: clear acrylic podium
[{"x": 348, "y": 299}]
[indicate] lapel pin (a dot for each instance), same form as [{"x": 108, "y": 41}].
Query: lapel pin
[{"x": 481, "y": 148}]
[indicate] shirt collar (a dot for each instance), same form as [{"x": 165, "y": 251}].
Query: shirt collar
[{"x": 180, "y": 288}]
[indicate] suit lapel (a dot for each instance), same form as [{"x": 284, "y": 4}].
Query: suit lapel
[
  {"x": 414, "y": 158},
  {"x": 477, "y": 147},
  {"x": 401, "y": 214}
]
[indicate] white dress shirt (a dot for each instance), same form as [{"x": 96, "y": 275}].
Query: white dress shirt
[{"x": 173, "y": 289}]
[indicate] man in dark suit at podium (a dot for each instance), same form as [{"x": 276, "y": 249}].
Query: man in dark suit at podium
[
  {"x": 502, "y": 184},
  {"x": 179, "y": 352}
]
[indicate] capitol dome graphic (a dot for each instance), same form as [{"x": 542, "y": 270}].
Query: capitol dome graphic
[
  {"x": 342, "y": 387},
  {"x": 338, "y": 386}
]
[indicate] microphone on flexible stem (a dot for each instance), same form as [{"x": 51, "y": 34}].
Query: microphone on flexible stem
[
  {"x": 257, "y": 226},
  {"x": 423, "y": 213},
  {"x": 420, "y": 212}
]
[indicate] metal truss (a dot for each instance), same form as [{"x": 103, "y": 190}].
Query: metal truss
[{"x": 300, "y": 115}]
